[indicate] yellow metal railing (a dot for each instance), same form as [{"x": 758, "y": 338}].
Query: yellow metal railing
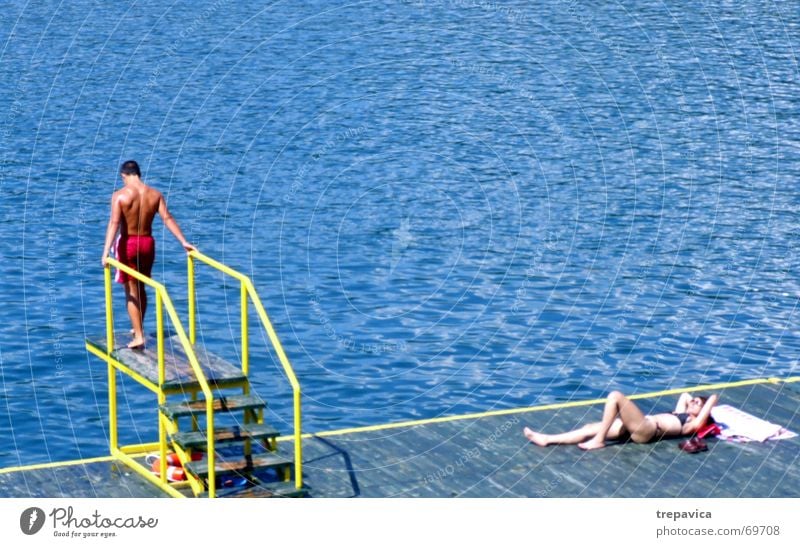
[
  {"x": 248, "y": 290},
  {"x": 162, "y": 301}
]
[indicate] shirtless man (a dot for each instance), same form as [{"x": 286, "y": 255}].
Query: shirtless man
[{"x": 132, "y": 211}]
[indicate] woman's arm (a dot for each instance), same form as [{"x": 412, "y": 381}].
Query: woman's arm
[
  {"x": 702, "y": 417},
  {"x": 683, "y": 401}
]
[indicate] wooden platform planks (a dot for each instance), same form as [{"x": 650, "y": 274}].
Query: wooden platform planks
[
  {"x": 487, "y": 456},
  {"x": 178, "y": 372},
  {"x": 103, "y": 479}
]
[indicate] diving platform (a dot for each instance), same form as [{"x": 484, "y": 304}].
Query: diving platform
[
  {"x": 485, "y": 455},
  {"x": 142, "y": 364}
]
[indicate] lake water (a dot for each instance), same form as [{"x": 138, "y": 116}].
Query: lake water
[{"x": 446, "y": 206}]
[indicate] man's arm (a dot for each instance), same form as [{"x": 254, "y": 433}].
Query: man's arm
[
  {"x": 172, "y": 224},
  {"x": 113, "y": 226}
]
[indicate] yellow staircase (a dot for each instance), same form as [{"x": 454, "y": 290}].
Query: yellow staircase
[{"x": 195, "y": 392}]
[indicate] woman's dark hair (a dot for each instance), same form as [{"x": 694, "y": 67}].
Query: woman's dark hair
[
  {"x": 704, "y": 399},
  {"x": 130, "y": 167}
]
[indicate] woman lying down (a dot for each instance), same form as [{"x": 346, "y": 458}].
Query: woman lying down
[{"x": 623, "y": 420}]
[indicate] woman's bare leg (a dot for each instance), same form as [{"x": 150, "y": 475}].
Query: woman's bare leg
[
  {"x": 573, "y": 437},
  {"x": 570, "y": 437},
  {"x": 633, "y": 420}
]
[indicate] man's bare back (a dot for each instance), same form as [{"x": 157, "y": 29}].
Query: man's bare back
[
  {"x": 133, "y": 209},
  {"x": 139, "y": 204}
]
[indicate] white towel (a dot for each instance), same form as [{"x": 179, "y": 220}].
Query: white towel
[
  {"x": 115, "y": 252},
  {"x": 738, "y": 425}
]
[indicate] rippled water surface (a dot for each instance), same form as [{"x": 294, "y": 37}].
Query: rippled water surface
[{"x": 446, "y": 206}]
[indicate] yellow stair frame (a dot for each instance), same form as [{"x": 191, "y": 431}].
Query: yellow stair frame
[{"x": 126, "y": 454}]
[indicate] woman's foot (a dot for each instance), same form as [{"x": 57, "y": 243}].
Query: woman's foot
[
  {"x": 539, "y": 439},
  {"x": 591, "y": 444}
]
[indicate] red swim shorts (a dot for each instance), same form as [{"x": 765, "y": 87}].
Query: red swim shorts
[{"x": 137, "y": 252}]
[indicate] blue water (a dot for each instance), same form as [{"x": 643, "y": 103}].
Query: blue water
[{"x": 447, "y": 206}]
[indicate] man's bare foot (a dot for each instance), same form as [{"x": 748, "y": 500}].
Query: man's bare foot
[
  {"x": 536, "y": 438},
  {"x": 136, "y": 343},
  {"x": 591, "y": 444}
]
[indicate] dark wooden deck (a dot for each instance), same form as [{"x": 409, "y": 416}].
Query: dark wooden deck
[
  {"x": 90, "y": 479},
  {"x": 487, "y": 456}
]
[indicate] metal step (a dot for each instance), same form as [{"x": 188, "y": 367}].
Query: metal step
[
  {"x": 225, "y": 435},
  {"x": 221, "y": 404},
  {"x": 270, "y": 490},
  {"x": 246, "y": 465},
  {"x": 262, "y": 490}
]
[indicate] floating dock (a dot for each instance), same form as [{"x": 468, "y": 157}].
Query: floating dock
[
  {"x": 486, "y": 455},
  {"x": 212, "y": 422}
]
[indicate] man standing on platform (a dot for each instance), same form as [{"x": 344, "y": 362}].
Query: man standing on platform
[{"x": 132, "y": 211}]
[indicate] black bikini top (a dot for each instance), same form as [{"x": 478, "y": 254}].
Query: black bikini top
[{"x": 682, "y": 416}]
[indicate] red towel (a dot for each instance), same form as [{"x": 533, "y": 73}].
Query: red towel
[{"x": 711, "y": 429}]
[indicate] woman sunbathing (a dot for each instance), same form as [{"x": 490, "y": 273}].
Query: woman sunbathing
[{"x": 622, "y": 419}]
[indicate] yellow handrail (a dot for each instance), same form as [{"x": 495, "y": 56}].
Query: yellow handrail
[
  {"x": 161, "y": 297},
  {"x": 112, "y": 374},
  {"x": 247, "y": 289}
]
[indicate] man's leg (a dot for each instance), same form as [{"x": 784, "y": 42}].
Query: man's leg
[
  {"x": 133, "y": 293},
  {"x": 143, "y": 300}
]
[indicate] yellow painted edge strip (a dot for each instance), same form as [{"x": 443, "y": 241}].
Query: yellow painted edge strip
[
  {"x": 505, "y": 412},
  {"x": 134, "y": 451},
  {"x": 51, "y": 465}
]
